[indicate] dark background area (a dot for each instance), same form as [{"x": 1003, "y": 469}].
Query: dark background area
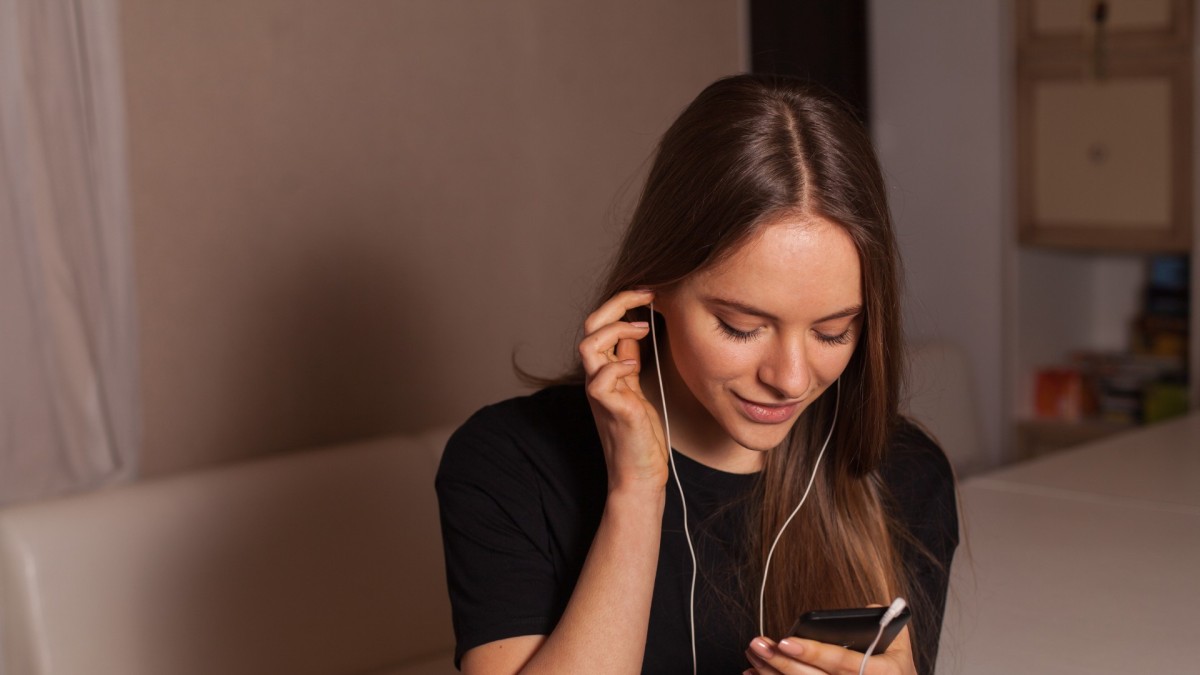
[{"x": 820, "y": 40}]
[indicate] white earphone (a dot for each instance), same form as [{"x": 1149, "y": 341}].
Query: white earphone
[
  {"x": 662, "y": 395},
  {"x": 683, "y": 502},
  {"x": 892, "y": 612}
]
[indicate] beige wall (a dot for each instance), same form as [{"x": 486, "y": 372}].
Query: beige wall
[
  {"x": 348, "y": 214},
  {"x": 939, "y": 108}
]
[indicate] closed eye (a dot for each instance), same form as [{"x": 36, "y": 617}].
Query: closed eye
[
  {"x": 844, "y": 338},
  {"x": 735, "y": 334}
]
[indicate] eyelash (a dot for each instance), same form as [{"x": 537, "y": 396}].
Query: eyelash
[
  {"x": 843, "y": 339},
  {"x": 746, "y": 336},
  {"x": 735, "y": 334}
]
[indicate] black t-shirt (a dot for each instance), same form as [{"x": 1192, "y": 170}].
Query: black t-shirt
[{"x": 522, "y": 486}]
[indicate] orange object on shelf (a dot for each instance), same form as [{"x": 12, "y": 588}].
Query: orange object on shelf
[{"x": 1061, "y": 395}]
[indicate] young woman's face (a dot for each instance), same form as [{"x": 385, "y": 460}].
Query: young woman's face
[{"x": 755, "y": 339}]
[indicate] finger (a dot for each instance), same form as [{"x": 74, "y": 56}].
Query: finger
[
  {"x": 766, "y": 656},
  {"x": 607, "y": 388},
  {"x": 628, "y": 350},
  {"x": 604, "y": 345},
  {"x": 829, "y": 658},
  {"x": 759, "y": 666},
  {"x": 614, "y": 309}
]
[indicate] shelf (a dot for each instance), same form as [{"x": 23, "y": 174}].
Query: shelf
[{"x": 1040, "y": 437}]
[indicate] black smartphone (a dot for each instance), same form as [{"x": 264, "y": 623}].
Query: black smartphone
[{"x": 850, "y": 628}]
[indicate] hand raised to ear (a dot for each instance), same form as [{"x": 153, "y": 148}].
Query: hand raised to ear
[{"x": 635, "y": 450}]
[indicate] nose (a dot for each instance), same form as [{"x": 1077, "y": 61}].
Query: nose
[{"x": 786, "y": 370}]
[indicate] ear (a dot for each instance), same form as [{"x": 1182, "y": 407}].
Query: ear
[{"x": 664, "y": 300}]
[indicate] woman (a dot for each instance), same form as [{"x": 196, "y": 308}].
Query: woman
[{"x": 762, "y": 250}]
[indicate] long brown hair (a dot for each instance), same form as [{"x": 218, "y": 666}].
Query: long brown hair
[{"x": 746, "y": 151}]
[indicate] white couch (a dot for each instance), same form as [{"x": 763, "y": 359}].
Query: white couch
[
  {"x": 325, "y": 562},
  {"x": 941, "y": 396}
]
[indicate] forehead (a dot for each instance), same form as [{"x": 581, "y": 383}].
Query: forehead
[{"x": 792, "y": 267}]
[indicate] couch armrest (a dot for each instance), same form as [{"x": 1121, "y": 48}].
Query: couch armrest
[{"x": 325, "y": 561}]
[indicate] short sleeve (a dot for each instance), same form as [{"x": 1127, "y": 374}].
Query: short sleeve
[
  {"x": 924, "y": 500},
  {"x": 499, "y": 572}
]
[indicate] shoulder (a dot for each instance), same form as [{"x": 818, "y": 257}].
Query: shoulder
[
  {"x": 520, "y": 490},
  {"x": 922, "y": 497},
  {"x": 921, "y": 485},
  {"x": 550, "y": 414},
  {"x": 915, "y": 460},
  {"x": 520, "y": 433}
]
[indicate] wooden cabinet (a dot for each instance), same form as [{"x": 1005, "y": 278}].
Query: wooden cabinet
[
  {"x": 1104, "y": 124},
  {"x": 1064, "y": 27}
]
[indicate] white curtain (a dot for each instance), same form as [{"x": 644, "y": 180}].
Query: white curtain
[{"x": 69, "y": 413}]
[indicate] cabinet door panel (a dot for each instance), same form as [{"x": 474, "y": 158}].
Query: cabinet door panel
[
  {"x": 1102, "y": 152},
  {"x": 1105, "y": 163},
  {"x": 1050, "y": 26}
]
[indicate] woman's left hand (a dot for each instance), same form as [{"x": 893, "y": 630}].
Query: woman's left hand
[{"x": 797, "y": 656}]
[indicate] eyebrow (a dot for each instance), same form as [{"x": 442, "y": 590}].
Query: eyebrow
[{"x": 743, "y": 308}]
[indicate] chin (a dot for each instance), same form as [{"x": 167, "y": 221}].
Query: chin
[{"x": 762, "y": 440}]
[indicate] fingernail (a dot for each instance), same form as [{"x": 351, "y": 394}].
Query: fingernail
[
  {"x": 761, "y": 648},
  {"x": 791, "y": 648},
  {"x": 640, "y": 324},
  {"x": 630, "y": 362}
]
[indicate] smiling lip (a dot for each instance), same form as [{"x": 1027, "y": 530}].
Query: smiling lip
[{"x": 765, "y": 413}]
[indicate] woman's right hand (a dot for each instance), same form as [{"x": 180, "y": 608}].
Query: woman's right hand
[{"x": 635, "y": 449}]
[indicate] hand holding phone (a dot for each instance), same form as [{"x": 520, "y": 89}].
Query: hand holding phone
[{"x": 850, "y": 628}]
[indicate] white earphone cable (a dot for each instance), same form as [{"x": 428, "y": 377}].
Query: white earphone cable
[
  {"x": 682, "y": 501},
  {"x": 811, "y": 479},
  {"x": 892, "y": 612}
]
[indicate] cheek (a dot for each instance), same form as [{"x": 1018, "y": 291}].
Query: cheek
[
  {"x": 714, "y": 358},
  {"x": 832, "y": 363}
]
